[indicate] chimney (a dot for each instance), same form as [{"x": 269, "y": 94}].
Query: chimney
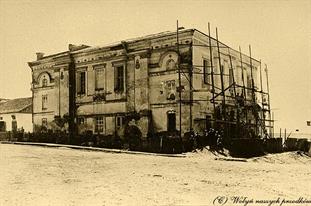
[
  {"x": 73, "y": 47},
  {"x": 39, "y": 55}
]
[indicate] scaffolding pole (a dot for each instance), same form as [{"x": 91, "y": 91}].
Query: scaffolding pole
[
  {"x": 244, "y": 90},
  {"x": 253, "y": 91},
  {"x": 262, "y": 102},
  {"x": 250, "y": 104},
  {"x": 221, "y": 78},
  {"x": 269, "y": 109},
  {"x": 179, "y": 80},
  {"x": 234, "y": 90},
  {"x": 212, "y": 68}
]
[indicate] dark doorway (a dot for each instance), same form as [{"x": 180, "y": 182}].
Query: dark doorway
[
  {"x": 171, "y": 121},
  {"x": 2, "y": 126},
  {"x": 208, "y": 122}
]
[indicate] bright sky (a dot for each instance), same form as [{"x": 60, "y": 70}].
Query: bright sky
[{"x": 279, "y": 32}]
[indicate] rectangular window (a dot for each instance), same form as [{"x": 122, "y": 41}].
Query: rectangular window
[
  {"x": 44, "y": 102},
  {"x": 249, "y": 84},
  {"x": 206, "y": 71},
  {"x": 99, "y": 79},
  {"x": 44, "y": 122},
  {"x": 222, "y": 70},
  {"x": 120, "y": 121},
  {"x": 81, "y": 83},
  {"x": 119, "y": 78},
  {"x": 230, "y": 76},
  {"x": 99, "y": 124}
]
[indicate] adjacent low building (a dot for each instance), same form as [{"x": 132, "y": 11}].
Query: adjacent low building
[
  {"x": 151, "y": 83},
  {"x": 16, "y": 114}
]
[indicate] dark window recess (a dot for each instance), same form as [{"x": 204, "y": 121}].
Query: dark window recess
[
  {"x": 119, "y": 79},
  {"x": 80, "y": 120},
  {"x": 206, "y": 71},
  {"x": 81, "y": 83},
  {"x": 120, "y": 121},
  {"x": 232, "y": 116},
  {"x": 249, "y": 84},
  {"x": 230, "y": 76},
  {"x": 61, "y": 75},
  {"x": 44, "y": 82},
  {"x": 2, "y": 126},
  {"x": 171, "y": 121},
  {"x": 44, "y": 102}
]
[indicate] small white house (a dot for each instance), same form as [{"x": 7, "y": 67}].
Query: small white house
[{"x": 16, "y": 114}]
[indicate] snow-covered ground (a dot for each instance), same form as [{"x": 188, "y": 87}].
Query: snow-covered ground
[{"x": 31, "y": 175}]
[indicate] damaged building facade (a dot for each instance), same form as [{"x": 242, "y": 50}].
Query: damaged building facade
[{"x": 155, "y": 83}]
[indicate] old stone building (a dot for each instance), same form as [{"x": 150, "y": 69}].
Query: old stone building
[{"x": 143, "y": 82}]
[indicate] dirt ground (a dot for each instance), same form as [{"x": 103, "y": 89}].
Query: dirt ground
[{"x": 32, "y": 175}]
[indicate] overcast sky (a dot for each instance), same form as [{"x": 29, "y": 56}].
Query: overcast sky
[{"x": 279, "y": 32}]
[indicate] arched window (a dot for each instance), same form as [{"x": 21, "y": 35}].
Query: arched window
[
  {"x": 170, "y": 64},
  {"x": 44, "y": 81}
]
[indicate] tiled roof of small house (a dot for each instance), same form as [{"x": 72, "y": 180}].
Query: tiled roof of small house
[{"x": 16, "y": 105}]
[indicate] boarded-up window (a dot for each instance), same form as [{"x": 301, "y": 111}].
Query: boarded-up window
[
  {"x": 80, "y": 83},
  {"x": 119, "y": 78},
  {"x": 44, "y": 102},
  {"x": 99, "y": 124},
  {"x": 206, "y": 71},
  {"x": 99, "y": 78}
]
